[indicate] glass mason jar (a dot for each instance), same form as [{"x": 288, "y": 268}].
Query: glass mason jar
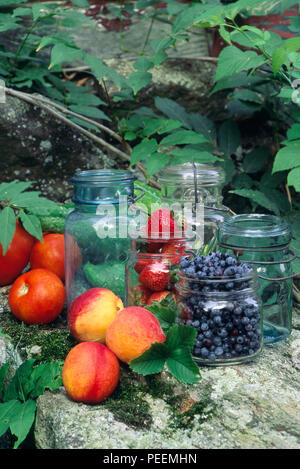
[
  {"x": 151, "y": 273},
  {"x": 178, "y": 184},
  {"x": 263, "y": 241},
  {"x": 96, "y": 238},
  {"x": 226, "y": 314}
]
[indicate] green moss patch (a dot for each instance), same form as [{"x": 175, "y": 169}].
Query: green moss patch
[{"x": 54, "y": 344}]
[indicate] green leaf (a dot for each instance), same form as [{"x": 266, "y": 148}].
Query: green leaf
[
  {"x": 172, "y": 110},
  {"x": 160, "y": 126},
  {"x": 257, "y": 197},
  {"x": 183, "y": 137},
  {"x": 294, "y": 178},
  {"x": 151, "y": 361},
  {"x": 242, "y": 181},
  {"x": 13, "y": 188},
  {"x": 100, "y": 70},
  {"x": 143, "y": 150},
  {"x": 248, "y": 95},
  {"x": 180, "y": 363},
  {"x": 143, "y": 64},
  {"x": 31, "y": 224},
  {"x": 293, "y": 132},
  {"x": 156, "y": 162},
  {"x": 151, "y": 195},
  {"x": 278, "y": 59},
  {"x": 3, "y": 373},
  {"x": 165, "y": 315},
  {"x": 7, "y": 411},
  {"x": 139, "y": 80},
  {"x": 8, "y": 227},
  {"x": 62, "y": 53},
  {"x": 20, "y": 423},
  {"x": 89, "y": 111},
  {"x": 238, "y": 80},
  {"x": 181, "y": 336},
  {"x": 203, "y": 125},
  {"x": 32, "y": 202},
  {"x": 229, "y": 137},
  {"x": 287, "y": 157},
  {"x": 233, "y": 60},
  {"x": 256, "y": 159},
  {"x": 21, "y": 385},
  {"x": 46, "y": 376},
  {"x": 292, "y": 44},
  {"x": 190, "y": 154}
]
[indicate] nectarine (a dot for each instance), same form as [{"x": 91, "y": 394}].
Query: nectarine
[
  {"x": 90, "y": 373},
  {"x": 91, "y": 313},
  {"x": 132, "y": 332}
]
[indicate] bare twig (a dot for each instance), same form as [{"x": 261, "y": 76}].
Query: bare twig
[{"x": 51, "y": 107}]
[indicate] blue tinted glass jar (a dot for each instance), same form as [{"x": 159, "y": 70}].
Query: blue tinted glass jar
[
  {"x": 263, "y": 241},
  {"x": 96, "y": 232}
]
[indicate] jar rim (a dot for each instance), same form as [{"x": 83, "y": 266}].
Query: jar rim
[
  {"x": 251, "y": 275},
  {"x": 101, "y": 176},
  {"x": 261, "y": 225},
  {"x": 206, "y": 173}
]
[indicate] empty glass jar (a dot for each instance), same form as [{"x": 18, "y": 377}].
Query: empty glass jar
[
  {"x": 263, "y": 241},
  {"x": 96, "y": 232},
  {"x": 178, "y": 184},
  {"x": 226, "y": 313}
]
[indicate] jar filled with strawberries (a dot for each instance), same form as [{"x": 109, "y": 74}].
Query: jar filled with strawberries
[{"x": 154, "y": 259}]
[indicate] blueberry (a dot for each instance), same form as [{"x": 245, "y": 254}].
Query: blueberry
[
  {"x": 217, "y": 320},
  {"x": 217, "y": 340},
  {"x": 184, "y": 262},
  {"x": 239, "y": 340},
  {"x": 204, "y": 326},
  {"x": 212, "y": 356},
  {"x": 219, "y": 351},
  {"x": 237, "y": 311},
  {"x": 204, "y": 352},
  {"x": 222, "y": 332}
]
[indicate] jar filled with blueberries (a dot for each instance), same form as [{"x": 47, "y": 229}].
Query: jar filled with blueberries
[{"x": 218, "y": 295}]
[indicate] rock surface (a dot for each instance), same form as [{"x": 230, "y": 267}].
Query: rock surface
[
  {"x": 40, "y": 148},
  {"x": 253, "y": 406}
]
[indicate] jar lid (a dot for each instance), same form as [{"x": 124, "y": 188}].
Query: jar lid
[
  {"x": 102, "y": 176},
  {"x": 184, "y": 173},
  {"x": 254, "y": 230},
  {"x": 102, "y": 186}
]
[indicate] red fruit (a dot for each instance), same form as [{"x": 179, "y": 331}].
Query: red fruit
[
  {"x": 176, "y": 249},
  {"x": 49, "y": 254},
  {"x": 156, "y": 276},
  {"x": 17, "y": 255},
  {"x": 158, "y": 296},
  {"x": 37, "y": 297},
  {"x": 141, "y": 294},
  {"x": 141, "y": 264},
  {"x": 161, "y": 222}
]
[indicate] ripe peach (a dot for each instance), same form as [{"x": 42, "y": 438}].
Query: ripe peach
[
  {"x": 90, "y": 373},
  {"x": 132, "y": 332},
  {"x": 91, "y": 313}
]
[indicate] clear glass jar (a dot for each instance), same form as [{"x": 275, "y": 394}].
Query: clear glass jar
[
  {"x": 178, "y": 184},
  {"x": 96, "y": 232},
  {"x": 263, "y": 241},
  {"x": 226, "y": 315},
  {"x": 151, "y": 272}
]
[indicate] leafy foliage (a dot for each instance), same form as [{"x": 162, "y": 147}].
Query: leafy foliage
[
  {"x": 18, "y": 204},
  {"x": 175, "y": 352},
  {"x": 17, "y": 409}
]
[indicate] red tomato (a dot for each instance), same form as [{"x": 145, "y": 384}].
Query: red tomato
[
  {"x": 37, "y": 297},
  {"x": 17, "y": 255},
  {"x": 49, "y": 254}
]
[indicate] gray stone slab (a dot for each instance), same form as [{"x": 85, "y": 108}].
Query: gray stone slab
[{"x": 255, "y": 405}]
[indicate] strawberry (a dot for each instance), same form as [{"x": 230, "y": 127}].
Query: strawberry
[
  {"x": 141, "y": 294},
  {"x": 161, "y": 222},
  {"x": 155, "y": 276},
  {"x": 175, "y": 250},
  {"x": 158, "y": 296},
  {"x": 142, "y": 263}
]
